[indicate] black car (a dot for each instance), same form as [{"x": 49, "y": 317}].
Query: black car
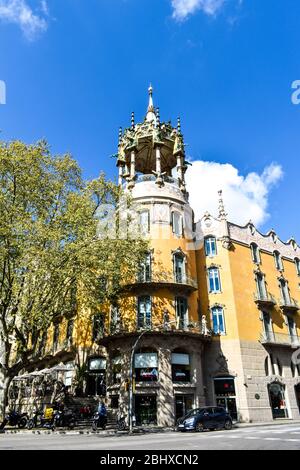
[{"x": 205, "y": 418}]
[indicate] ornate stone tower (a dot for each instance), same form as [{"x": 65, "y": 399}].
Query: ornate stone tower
[{"x": 156, "y": 335}]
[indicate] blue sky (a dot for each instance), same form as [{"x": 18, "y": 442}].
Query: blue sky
[{"x": 75, "y": 69}]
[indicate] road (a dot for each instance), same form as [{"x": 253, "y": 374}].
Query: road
[{"x": 279, "y": 437}]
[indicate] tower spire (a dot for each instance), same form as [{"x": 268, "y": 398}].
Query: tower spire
[
  {"x": 150, "y": 116},
  {"x": 222, "y": 212}
]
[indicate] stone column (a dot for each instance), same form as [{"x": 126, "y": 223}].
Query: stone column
[
  {"x": 197, "y": 372},
  {"x": 158, "y": 160},
  {"x": 165, "y": 395}
]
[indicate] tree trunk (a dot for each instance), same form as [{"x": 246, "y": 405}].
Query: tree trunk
[{"x": 5, "y": 382}]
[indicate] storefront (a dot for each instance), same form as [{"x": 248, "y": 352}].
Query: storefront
[
  {"x": 225, "y": 396},
  {"x": 181, "y": 369},
  {"x": 277, "y": 400},
  {"x": 183, "y": 404},
  {"x": 146, "y": 367},
  {"x": 145, "y": 409}
]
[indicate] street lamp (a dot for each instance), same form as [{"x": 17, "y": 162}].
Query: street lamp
[{"x": 130, "y": 408}]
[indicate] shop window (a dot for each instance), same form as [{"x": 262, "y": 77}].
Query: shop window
[
  {"x": 146, "y": 367},
  {"x": 181, "y": 369}
]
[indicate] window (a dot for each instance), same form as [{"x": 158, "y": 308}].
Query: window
[
  {"x": 177, "y": 224},
  {"x": 146, "y": 366},
  {"x": 179, "y": 268},
  {"x": 116, "y": 368},
  {"x": 218, "y": 320},
  {"x": 181, "y": 312},
  {"x": 261, "y": 286},
  {"x": 144, "y": 222},
  {"x": 56, "y": 335},
  {"x": 278, "y": 261},
  {"x": 98, "y": 326},
  {"x": 214, "y": 280},
  {"x": 145, "y": 269},
  {"x": 210, "y": 246},
  {"x": 285, "y": 293},
  {"x": 268, "y": 327},
  {"x": 255, "y": 253},
  {"x": 70, "y": 327},
  {"x": 144, "y": 312},
  {"x": 97, "y": 364},
  {"x": 181, "y": 369},
  {"x": 292, "y": 330},
  {"x": 297, "y": 264}
]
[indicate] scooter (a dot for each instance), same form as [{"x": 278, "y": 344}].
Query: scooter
[
  {"x": 99, "y": 421},
  {"x": 43, "y": 420},
  {"x": 121, "y": 423},
  {"x": 13, "y": 418},
  {"x": 65, "y": 418}
]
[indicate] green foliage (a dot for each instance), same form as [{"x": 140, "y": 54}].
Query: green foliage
[{"x": 50, "y": 247}]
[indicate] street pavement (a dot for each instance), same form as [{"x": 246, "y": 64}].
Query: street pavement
[{"x": 271, "y": 437}]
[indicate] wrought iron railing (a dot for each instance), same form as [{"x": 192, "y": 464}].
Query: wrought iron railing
[{"x": 168, "y": 278}]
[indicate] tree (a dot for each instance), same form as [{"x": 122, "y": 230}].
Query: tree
[{"x": 51, "y": 246}]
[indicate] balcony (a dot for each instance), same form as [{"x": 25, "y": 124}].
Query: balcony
[
  {"x": 169, "y": 328},
  {"x": 289, "y": 304},
  {"x": 280, "y": 339},
  {"x": 163, "y": 279},
  {"x": 264, "y": 300}
]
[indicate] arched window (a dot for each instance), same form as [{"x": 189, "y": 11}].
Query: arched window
[
  {"x": 297, "y": 264},
  {"x": 255, "y": 253},
  {"x": 146, "y": 365},
  {"x": 214, "y": 280},
  {"x": 261, "y": 286},
  {"x": 181, "y": 367},
  {"x": 218, "y": 320},
  {"x": 210, "y": 246},
  {"x": 278, "y": 260},
  {"x": 285, "y": 293}
]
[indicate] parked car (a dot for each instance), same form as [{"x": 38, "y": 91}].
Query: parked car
[{"x": 205, "y": 418}]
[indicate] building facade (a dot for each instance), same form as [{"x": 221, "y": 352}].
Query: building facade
[{"x": 213, "y": 316}]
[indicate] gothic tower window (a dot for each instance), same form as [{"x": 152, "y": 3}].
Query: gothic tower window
[
  {"x": 210, "y": 246},
  {"x": 214, "y": 280}
]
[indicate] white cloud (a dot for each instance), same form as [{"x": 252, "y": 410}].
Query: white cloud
[
  {"x": 184, "y": 8},
  {"x": 20, "y": 13},
  {"x": 245, "y": 197}
]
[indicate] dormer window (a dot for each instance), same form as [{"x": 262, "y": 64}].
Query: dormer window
[
  {"x": 278, "y": 261},
  {"x": 255, "y": 253}
]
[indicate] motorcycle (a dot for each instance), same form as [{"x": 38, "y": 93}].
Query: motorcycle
[
  {"x": 65, "y": 418},
  {"x": 99, "y": 421},
  {"x": 42, "y": 419},
  {"x": 13, "y": 418},
  {"x": 121, "y": 423}
]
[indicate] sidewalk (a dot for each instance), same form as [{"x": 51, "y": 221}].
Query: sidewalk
[{"x": 140, "y": 430}]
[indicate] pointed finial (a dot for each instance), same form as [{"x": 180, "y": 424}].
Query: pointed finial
[
  {"x": 222, "y": 212},
  {"x": 178, "y": 125},
  {"x": 150, "y": 111},
  {"x": 132, "y": 120}
]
